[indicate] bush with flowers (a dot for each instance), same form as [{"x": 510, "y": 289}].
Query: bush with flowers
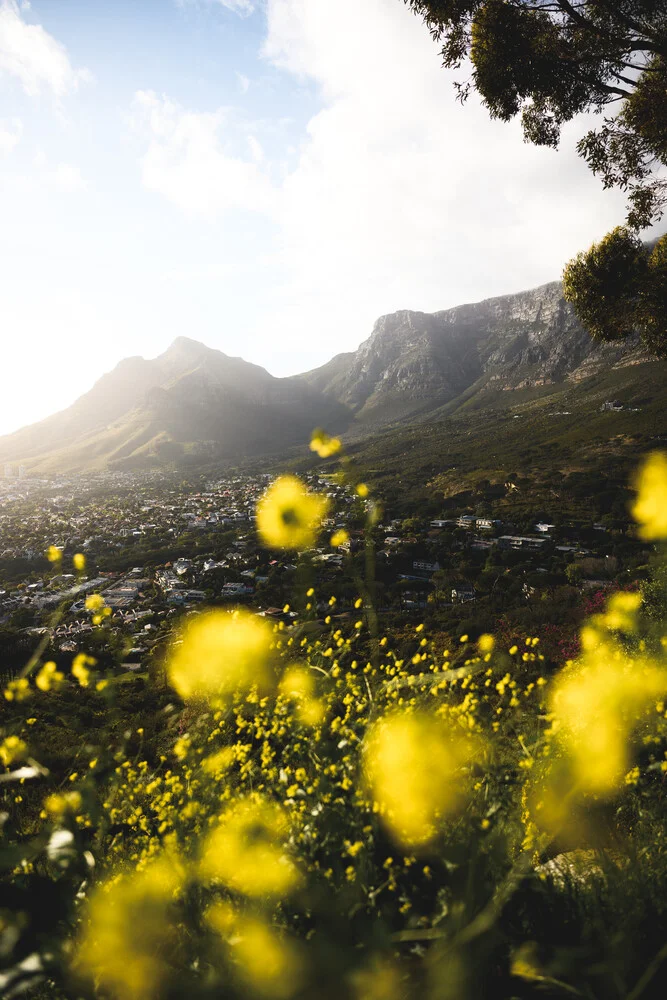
[{"x": 317, "y": 816}]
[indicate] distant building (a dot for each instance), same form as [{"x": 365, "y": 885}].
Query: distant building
[
  {"x": 613, "y": 405},
  {"x": 466, "y": 521},
  {"x": 463, "y": 593},
  {"x": 521, "y": 542},
  {"x": 426, "y": 567},
  {"x": 480, "y": 523},
  {"x": 23, "y": 472},
  {"x": 9, "y": 470}
]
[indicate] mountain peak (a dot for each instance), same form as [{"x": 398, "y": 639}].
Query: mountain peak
[{"x": 186, "y": 345}]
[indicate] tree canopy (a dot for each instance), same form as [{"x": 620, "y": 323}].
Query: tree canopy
[
  {"x": 549, "y": 60},
  {"x": 620, "y": 286}
]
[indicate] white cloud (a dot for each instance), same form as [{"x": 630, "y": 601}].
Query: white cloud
[
  {"x": 65, "y": 177},
  {"x": 242, "y": 7},
  {"x": 189, "y": 163},
  {"x": 401, "y": 197},
  {"x": 33, "y": 56},
  {"x": 244, "y": 82},
  {"x": 46, "y": 176},
  {"x": 10, "y": 135}
]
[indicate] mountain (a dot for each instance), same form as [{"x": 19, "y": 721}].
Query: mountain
[
  {"x": 194, "y": 404},
  {"x": 189, "y": 403},
  {"x": 415, "y": 363}
]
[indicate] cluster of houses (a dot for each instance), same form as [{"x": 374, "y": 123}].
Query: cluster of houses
[{"x": 208, "y": 537}]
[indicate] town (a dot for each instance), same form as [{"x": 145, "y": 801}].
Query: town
[{"x": 156, "y": 548}]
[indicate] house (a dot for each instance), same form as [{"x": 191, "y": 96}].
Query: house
[
  {"x": 481, "y": 523},
  {"x": 425, "y": 566},
  {"x": 521, "y": 542},
  {"x": 466, "y": 521},
  {"x": 463, "y": 593},
  {"x": 614, "y": 405},
  {"x": 487, "y": 523}
]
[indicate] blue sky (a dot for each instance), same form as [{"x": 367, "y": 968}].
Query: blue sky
[{"x": 267, "y": 176}]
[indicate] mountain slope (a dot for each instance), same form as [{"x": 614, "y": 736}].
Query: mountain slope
[
  {"x": 191, "y": 400},
  {"x": 415, "y": 363},
  {"x": 195, "y": 404}
]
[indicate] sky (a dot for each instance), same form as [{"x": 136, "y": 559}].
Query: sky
[{"x": 265, "y": 176}]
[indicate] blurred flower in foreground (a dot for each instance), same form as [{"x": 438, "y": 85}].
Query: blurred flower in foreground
[
  {"x": 220, "y": 652},
  {"x": 246, "y": 850},
  {"x": 339, "y": 538},
  {"x": 622, "y": 611},
  {"x": 49, "y": 677},
  {"x": 268, "y": 962},
  {"x": 79, "y": 561},
  {"x": 414, "y": 766},
  {"x": 289, "y": 515},
  {"x": 596, "y": 703},
  {"x": 298, "y": 684},
  {"x": 59, "y": 804},
  {"x": 130, "y": 939},
  {"x": 11, "y": 749},
  {"x": 381, "y": 980},
  {"x": 54, "y": 554},
  {"x": 323, "y": 444},
  {"x": 80, "y": 670},
  {"x": 650, "y": 508}
]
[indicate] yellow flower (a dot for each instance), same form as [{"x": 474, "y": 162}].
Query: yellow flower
[
  {"x": 80, "y": 669},
  {"x": 95, "y": 602},
  {"x": 323, "y": 444},
  {"x": 289, "y": 515},
  {"x": 59, "y": 804},
  {"x": 650, "y": 508},
  {"x": 129, "y": 939},
  {"x": 54, "y": 554},
  {"x": 246, "y": 850},
  {"x": 339, "y": 538},
  {"x": 362, "y": 490},
  {"x": 596, "y": 703},
  {"x": 11, "y": 749},
  {"x": 298, "y": 683},
  {"x": 621, "y": 610},
  {"x": 486, "y": 643},
  {"x": 414, "y": 767},
  {"x": 79, "y": 561},
  {"x": 17, "y": 690},
  {"x": 266, "y": 961},
  {"x": 49, "y": 677},
  {"x": 219, "y": 653}
]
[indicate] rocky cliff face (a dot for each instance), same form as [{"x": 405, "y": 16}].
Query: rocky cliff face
[{"x": 414, "y": 362}]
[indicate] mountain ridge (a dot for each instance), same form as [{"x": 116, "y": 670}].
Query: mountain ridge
[{"x": 193, "y": 402}]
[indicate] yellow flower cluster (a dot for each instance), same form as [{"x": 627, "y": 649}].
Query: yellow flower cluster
[{"x": 310, "y": 756}]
